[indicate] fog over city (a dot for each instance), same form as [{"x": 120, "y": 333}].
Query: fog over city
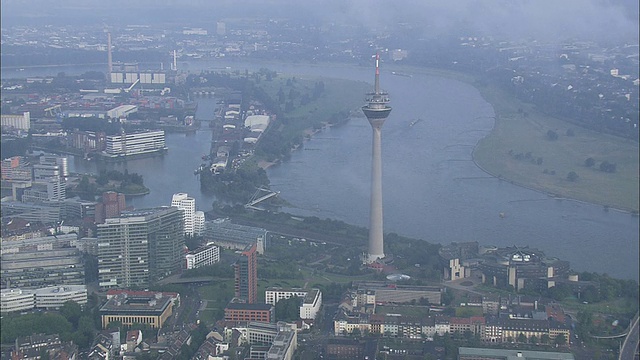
[{"x": 610, "y": 20}]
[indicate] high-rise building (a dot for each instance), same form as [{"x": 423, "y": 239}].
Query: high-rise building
[
  {"x": 246, "y": 275},
  {"x": 140, "y": 247},
  {"x": 377, "y": 110},
  {"x": 187, "y": 205},
  {"x": 198, "y": 223},
  {"x": 51, "y": 190}
]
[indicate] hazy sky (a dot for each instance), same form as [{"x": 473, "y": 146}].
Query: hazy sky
[{"x": 541, "y": 19}]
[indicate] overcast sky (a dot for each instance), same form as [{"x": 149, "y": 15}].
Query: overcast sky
[{"x": 541, "y": 19}]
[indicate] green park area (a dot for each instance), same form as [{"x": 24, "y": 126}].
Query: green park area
[{"x": 540, "y": 152}]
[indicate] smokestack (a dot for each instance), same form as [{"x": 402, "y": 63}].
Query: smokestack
[{"x": 109, "y": 59}]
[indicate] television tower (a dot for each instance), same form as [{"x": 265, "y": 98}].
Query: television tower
[{"x": 377, "y": 110}]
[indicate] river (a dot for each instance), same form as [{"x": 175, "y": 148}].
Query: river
[{"x": 432, "y": 189}]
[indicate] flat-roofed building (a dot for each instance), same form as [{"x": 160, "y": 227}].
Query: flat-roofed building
[
  {"x": 140, "y": 247},
  {"x": 136, "y": 143},
  {"x": 12, "y": 300},
  {"x": 275, "y": 294},
  {"x": 311, "y": 304},
  {"x": 19, "y": 122},
  {"x": 283, "y": 346},
  {"x": 152, "y": 310},
  {"x": 226, "y": 234},
  {"x": 203, "y": 256},
  {"x": 16, "y": 169},
  {"x": 53, "y": 297},
  {"x": 249, "y": 312},
  {"x": 41, "y": 261},
  {"x": 465, "y": 353},
  {"x": 121, "y": 111}
]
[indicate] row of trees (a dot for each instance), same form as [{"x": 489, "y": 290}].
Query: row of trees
[
  {"x": 605, "y": 166},
  {"x": 115, "y": 175}
]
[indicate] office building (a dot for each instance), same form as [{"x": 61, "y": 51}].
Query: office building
[
  {"x": 51, "y": 190},
  {"x": 16, "y": 169},
  {"x": 152, "y": 309},
  {"x": 12, "y": 300},
  {"x": 226, "y": 234},
  {"x": 246, "y": 275},
  {"x": 140, "y": 247},
  {"x": 466, "y": 353},
  {"x": 203, "y": 256},
  {"x": 198, "y": 223},
  {"x": 53, "y": 297},
  {"x": 41, "y": 261},
  {"x": 249, "y": 312},
  {"x": 18, "y": 122},
  {"x": 136, "y": 143},
  {"x": 187, "y": 205},
  {"x": 311, "y": 299}
]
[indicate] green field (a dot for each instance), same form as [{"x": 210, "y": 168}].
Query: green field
[{"x": 525, "y": 131}]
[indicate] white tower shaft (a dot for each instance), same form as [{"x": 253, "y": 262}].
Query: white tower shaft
[{"x": 376, "y": 250}]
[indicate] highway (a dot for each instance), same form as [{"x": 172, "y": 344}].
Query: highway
[{"x": 630, "y": 345}]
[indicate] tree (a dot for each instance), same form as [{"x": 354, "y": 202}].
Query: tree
[
  {"x": 572, "y": 176},
  {"x": 522, "y": 338},
  {"x": 552, "y": 135},
  {"x": 72, "y": 312},
  {"x": 533, "y": 339},
  {"x": 589, "y": 162},
  {"x": 560, "y": 339},
  {"x": 606, "y": 166},
  {"x": 544, "y": 339}
]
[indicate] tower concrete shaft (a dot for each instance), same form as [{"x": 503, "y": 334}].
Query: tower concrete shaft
[{"x": 377, "y": 110}]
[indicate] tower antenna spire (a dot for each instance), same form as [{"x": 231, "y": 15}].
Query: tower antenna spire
[{"x": 377, "y": 83}]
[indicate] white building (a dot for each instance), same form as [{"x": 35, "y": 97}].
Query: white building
[
  {"x": 16, "y": 300},
  {"x": 20, "y": 122},
  {"x": 257, "y": 123},
  {"x": 204, "y": 256},
  {"x": 121, "y": 111},
  {"x": 45, "y": 190},
  {"x": 274, "y": 294},
  {"x": 187, "y": 205},
  {"x": 311, "y": 304},
  {"x": 135, "y": 143},
  {"x": 54, "y": 297},
  {"x": 312, "y": 299},
  {"x": 198, "y": 223},
  {"x": 60, "y": 161}
]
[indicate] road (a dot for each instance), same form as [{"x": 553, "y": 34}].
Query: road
[{"x": 630, "y": 345}]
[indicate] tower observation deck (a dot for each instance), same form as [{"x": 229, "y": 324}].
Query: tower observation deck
[{"x": 377, "y": 110}]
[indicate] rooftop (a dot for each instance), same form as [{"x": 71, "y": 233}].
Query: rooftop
[{"x": 514, "y": 354}]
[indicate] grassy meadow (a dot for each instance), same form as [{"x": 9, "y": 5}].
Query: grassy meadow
[{"x": 520, "y": 129}]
